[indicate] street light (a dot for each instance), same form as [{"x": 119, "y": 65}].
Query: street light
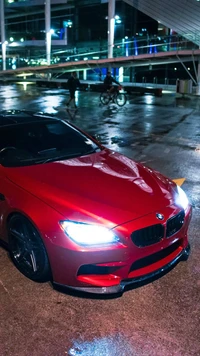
[{"x": 117, "y": 19}]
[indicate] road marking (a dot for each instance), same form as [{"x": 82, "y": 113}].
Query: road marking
[{"x": 179, "y": 181}]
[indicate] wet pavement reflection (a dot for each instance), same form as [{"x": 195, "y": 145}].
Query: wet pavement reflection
[{"x": 158, "y": 319}]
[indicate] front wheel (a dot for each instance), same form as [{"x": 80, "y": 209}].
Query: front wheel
[
  {"x": 27, "y": 250},
  {"x": 120, "y": 99},
  {"x": 104, "y": 98}
]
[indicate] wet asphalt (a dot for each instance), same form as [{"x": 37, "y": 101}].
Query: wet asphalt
[{"x": 158, "y": 319}]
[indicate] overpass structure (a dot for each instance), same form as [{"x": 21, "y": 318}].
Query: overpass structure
[
  {"x": 54, "y": 71},
  {"x": 179, "y": 16}
]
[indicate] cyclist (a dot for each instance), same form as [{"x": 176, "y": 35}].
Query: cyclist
[{"x": 108, "y": 83}]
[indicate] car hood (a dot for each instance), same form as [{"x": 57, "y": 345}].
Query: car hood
[{"x": 106, "y": 187}]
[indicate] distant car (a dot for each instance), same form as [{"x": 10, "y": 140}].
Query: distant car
[{"x": 81, "y": 215}]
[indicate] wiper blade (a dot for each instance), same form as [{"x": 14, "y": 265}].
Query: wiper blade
[
  {"x": 58, "y": 158},
  {"x": 48, "y": 150},
  {"x": 68, "y": 156}
]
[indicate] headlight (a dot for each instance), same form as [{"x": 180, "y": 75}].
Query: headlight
[
  {"x": 86, "y": 234},
  {"x": 181, "y": 198}
]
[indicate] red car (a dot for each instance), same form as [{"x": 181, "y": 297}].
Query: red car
[{"x": 81, "y": 215}]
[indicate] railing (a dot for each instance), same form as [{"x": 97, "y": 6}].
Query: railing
[
  {"x": 125, "y": 49},
  {"x": 28, "y": 56}
]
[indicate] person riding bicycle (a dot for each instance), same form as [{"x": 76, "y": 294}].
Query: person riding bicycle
[
  {"x": 112, "y": 92},
  {"x": 108, "y": 82}
]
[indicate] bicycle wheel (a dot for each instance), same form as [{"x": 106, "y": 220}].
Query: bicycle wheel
[
  {"x": 104, "y": 98},
  {"x": 120, "y": 99}
]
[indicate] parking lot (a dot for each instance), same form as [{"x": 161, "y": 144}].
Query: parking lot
[{"x": 158, "y": 319}]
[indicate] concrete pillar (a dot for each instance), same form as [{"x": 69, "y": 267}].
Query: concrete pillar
[
  {"x": 48, "y": 30},
  {"x": 84, "y": 74},
  {"x": 198, "y": 78},
  {"x": 111, "y": 27},
  {"x": 121, "y": 74},
  {"x": 3, "y": 38},
  {"x": 66, "y": 35}
]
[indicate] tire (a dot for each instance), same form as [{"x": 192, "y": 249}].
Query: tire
[
  {"x": 120, "y": 99},
  {"x": 104, "y": 98},
  {"x": 27, "y": 250}
]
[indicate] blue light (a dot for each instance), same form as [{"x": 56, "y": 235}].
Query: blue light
[
  {"x": 127, "y": 50},
  {"x": 135, "y": 47}
]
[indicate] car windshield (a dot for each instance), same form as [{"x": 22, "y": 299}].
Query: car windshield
[{"x": 42, "y": 142}]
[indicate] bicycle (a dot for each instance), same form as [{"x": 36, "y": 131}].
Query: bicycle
[{"x": 115, "y": 97}]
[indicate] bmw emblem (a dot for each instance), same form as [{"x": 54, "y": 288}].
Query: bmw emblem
[{"x": 160, "y": 216}]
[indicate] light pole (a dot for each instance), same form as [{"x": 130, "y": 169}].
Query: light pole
[
  {"x": 3, "y": 39},
  {"x": 111, "y": 27},
  {"x": 48, "y": 30}
]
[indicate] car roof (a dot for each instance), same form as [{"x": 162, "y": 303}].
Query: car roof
[{"x": 15, "y": 117}]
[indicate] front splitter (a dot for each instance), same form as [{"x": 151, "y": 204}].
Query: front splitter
[{"x": 182, "y": 256}]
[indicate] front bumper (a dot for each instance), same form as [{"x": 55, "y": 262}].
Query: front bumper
[
  {"x": 111, "y": 269},
  {"x": 133, "y": 282}
]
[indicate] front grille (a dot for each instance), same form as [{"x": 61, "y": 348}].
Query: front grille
[
  {"x": 158, "y": 256},
  {"x": 148, "y": 235},
  {"x": 175, "y": 224}
]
